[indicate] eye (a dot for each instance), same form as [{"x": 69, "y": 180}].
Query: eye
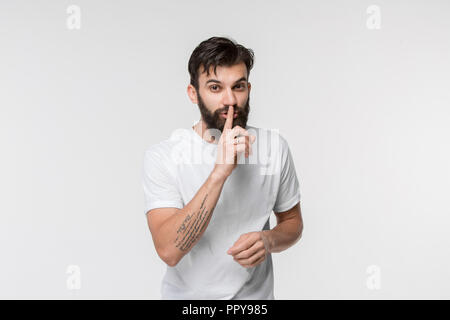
[
  {"x": 214, "y": 87},
  {"x": 240, "y": 85}
]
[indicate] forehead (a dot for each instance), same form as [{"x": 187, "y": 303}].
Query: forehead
[{"x": 224, "y": 73}]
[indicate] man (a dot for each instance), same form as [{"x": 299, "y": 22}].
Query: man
[{"x": 209, "y": 216}]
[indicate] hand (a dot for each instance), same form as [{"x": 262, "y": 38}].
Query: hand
[
  {"x": 250, "y": 249},
  {"x": 229, "y": 146}
]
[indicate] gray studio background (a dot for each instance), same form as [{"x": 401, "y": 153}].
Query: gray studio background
[{"x": 365, "y": 111}]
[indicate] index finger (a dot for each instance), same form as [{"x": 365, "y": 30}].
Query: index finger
[{"x": 229, "y": 121}]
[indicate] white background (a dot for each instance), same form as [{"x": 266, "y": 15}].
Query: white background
[{"x": 365, "y": 113}]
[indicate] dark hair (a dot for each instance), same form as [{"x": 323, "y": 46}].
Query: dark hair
[{"x": 218, "y": 51}]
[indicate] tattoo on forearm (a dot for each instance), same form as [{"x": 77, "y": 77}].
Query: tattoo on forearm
[{"x": 190, "y": 229}]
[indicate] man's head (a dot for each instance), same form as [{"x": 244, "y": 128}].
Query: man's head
[{"x": 219, "y": 70}]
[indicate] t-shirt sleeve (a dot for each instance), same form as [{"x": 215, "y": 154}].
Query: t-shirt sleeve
[
  {"x": 160, "y": 189},
  {"x": 289, "y": 189}
]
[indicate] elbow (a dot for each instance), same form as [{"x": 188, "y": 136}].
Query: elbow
[
  {"x": 300, "y": 231},
  {"x": 171, "y": 262},
  {"x": 168, "y": 257}
]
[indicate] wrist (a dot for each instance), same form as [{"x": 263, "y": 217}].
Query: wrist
[
  {"x": 218, "y": 176},
  {"x": 266, "y": 238}
]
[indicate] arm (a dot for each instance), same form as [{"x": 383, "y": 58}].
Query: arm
[
  {"x": 176, "y": 231},
  {"x": 287, "y": 232}
]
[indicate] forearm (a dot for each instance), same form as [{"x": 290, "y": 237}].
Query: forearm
[
  {"x": 183, "y": 230},
  {"x": 284, "y": 235}
]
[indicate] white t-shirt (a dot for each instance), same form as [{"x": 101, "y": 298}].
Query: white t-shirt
[{"x": 176, "y": 168}]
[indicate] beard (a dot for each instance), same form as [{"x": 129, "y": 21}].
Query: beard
[{"x": 214, "y": 120}]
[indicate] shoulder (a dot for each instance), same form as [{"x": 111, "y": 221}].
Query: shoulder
[
  {"x": 164, "y": 147},
  {"x": 166, "y": 150}
]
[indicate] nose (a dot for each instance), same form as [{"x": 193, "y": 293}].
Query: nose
[{"x": 229, "y": 98}]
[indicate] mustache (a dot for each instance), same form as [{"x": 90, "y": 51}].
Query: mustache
[{"x": 235, "y": 109}]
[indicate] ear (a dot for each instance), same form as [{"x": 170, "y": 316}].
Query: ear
[{"x": 192, "y": 93}]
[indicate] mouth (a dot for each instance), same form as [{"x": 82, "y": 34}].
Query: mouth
[{"x": 224, "y": 115}]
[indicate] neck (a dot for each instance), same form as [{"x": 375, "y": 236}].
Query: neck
[{"x": 201, "y": 129}]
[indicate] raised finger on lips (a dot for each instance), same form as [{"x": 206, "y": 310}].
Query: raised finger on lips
[{"x": 229, "y": 122}]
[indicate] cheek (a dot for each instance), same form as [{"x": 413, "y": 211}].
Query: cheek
[
  {"x": 211, "y": 101},
  {"x": 242, "y": 99}
]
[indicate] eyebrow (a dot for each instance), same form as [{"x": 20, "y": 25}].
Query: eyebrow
[{"x": 217, "y": 81}]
